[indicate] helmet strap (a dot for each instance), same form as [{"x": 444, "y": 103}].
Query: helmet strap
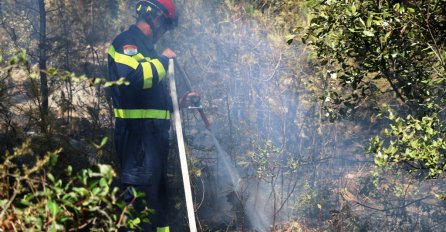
[
  {"x": 152, "y": 26},
  {"x": 155, "y": 30}
]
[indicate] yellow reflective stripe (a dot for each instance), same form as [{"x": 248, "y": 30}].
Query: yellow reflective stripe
[
  {"x": 148, "y": 75},
  {"x": 127, "y": 60},
  {"x": 111, "y": 51},
  {"x": 138, "y": 57},
  {"x": 122, "y": 59},
  {"x": 141, "y": 113},
  {"x": 163, "y": 229},
  {"x": 159, "y": 69}
]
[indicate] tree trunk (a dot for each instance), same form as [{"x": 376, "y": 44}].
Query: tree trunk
[{"x": 42, "y": 65}]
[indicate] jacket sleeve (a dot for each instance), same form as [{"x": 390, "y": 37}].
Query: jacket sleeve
[{"x": 140, "y": 71}]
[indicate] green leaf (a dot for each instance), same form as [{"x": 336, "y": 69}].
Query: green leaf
[
  {"x": 414, "y": 144},
  {"x": 123, "y": 81},
  {"x": 69, "y": 170},
  {"x": 95, "y": 191},
  {"x": 53, "y": 207},
  {"x": 106, "y": 171},
  {"x": 369, "y": 21},
  {"x": 103, "y": 183},
  {"x": 81, "y": 191},
  {"x": 25, "y": 201},
  {"x": 97, "y": 81},
  {"x": 290, "y": 39},
  {"x": 369, "y": 33},
  {"x": 362, "y": 22},
  {"x": 50, "y": 177},
  {"x": 52, "y": 72},
  {"x": 386, "y": 37},
  {"x": 34, "y": 75},
  {"x": 53, "y": 158},
  {"x": 104, "y": 141},
  {"x": 353, "y": 9},
  {"x": 108, "y": 84}
]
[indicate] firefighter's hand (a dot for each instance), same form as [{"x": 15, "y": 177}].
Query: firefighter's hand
[{"x": 169, "y": 53}]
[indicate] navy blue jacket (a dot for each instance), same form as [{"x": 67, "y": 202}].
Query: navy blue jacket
[{"x": 132, "y": 56}]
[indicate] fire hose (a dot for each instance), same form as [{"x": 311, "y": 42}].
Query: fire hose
[{"x": 181, "y": 149}]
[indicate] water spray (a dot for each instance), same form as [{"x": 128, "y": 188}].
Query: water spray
[{"x": 191, "y": 100}]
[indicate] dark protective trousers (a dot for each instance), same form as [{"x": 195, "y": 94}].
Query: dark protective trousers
[{"x": 142, "y": 146}]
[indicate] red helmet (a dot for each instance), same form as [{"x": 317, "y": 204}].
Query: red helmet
[
  {"x": 170, "y": 7},
  {"x": 164, "y": 7}
]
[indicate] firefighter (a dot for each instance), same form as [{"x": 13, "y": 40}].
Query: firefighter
[{"x": 142, "y": 108}]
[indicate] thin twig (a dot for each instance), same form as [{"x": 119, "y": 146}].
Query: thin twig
[
  {"x": 121, "y": 217},
  {"x": 14, "y": 195}
]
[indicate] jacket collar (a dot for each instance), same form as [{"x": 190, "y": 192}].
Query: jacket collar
[{"x": 139, "y": 35}]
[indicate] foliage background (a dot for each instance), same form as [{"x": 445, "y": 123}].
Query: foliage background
[{"x": 294, "y": 120}]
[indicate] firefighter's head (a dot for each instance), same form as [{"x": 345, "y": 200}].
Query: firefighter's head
[{"x": 159, "y": 14}]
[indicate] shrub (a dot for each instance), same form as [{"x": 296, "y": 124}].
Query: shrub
[{"x": 33, "y": 199}]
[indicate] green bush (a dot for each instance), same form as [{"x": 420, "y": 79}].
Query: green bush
[
  {"x": 371, "y": 53},
  {"x": 368, "y": 49},
  {"x": 32, "y": 199},
  {"x": 419, "y": 143}
]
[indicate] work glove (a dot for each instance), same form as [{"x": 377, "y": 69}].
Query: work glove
[{"x": 169, "y": 53}]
